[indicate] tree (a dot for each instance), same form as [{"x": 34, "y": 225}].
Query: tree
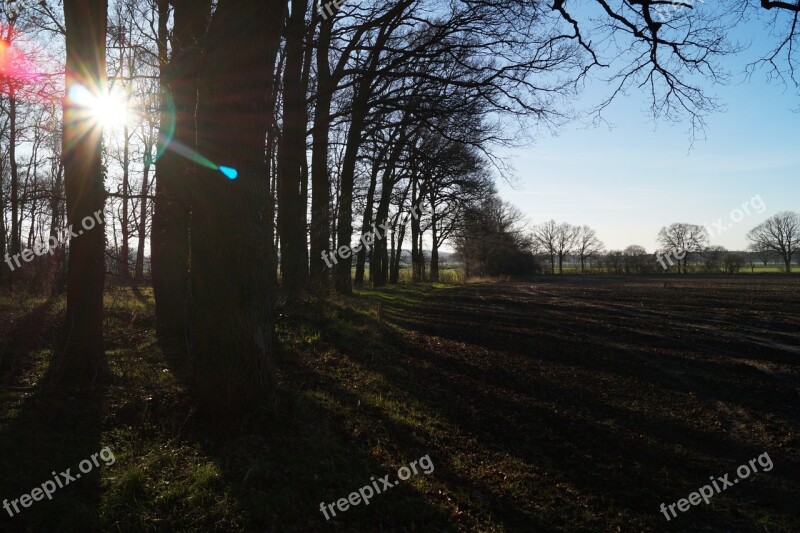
[
  {"x": 546, "y": 236},
  {"x": 293, "y": 171},
  {"x": 634, "y": 257},
  {"x": 733, "y": 263},
  {"x": 779, "y": 233},
  {"x": 232, "y": 264},
  {"x": 763, "y": 253},
  {"x": 491, "y": 241},
  {"x": 682, "y": 237},
  {"x": 588, "y": 245},
  {"x": 85, "y": 22},
  {"x": 565, "y": 242},
  {"x": 170, "y": 233},
  {"x": 714, "y": 257}
]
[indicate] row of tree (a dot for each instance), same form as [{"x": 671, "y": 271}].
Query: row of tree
[
  {"x": 778, "y": 235},
  {"x": 682, "y": 246}
]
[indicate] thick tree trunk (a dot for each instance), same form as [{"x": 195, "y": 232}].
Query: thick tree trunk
[
  {"x": 320, "y": 180},
  {"x": 343, "y": 278},
  {"x": 170, "y": 233},
  {"x": 232, "y": 280},
  {"x": 85, "y": 22},
  {"x": 291, "y": 154}
]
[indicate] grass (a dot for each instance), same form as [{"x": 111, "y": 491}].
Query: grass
[
  {"x": 365, "y": 387},
  {"x": 336, "y": 426}
]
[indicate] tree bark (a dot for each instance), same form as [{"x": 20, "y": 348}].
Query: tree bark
[
  {"x": 142, "y": 230},
  {"x": 16, "y": 229},
  {"x": 366, "y": 221},
  {"x": 320, "y": 179},
  {"x": 344, "y": 230},
  {"x": 434, "y": 247},
  {"x": 232, "y": 285},
  {"x": 170, "y": 231},
  {"x": 124, "y": 258},
  {"x": 292, "y": 153},
  {"x": 85, "y": 22}
]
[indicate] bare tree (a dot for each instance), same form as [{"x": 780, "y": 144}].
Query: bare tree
[
  {"x": 546, "y": 236},
  {"x": 633, "y": 258},
  {"x": 714, "y": 256},
  {"x": 780, "y": 233},
  {"x": 566, "y": 240},
  {"x": 588, "y": 245},
  {"x": 683, "y": 237}
]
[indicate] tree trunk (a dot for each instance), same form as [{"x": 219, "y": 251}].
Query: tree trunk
[
  {"x": 291, "y": 153},
  {"x": 394, "y": 276},
  {"x": 366, "y": 222},
  {"x": 16, "y": 229},
  {"x": 124, "y": 258},
  {"x": 170, "y": 232},
  {"x": 320, "y": 188},
  {"x": 343, "y": 277},
  {"x": 434, "y": 248},
  {"x": 142, "y": 230},
  {"x": 85, "y": 22},
  {"x": 232, "y": 288},
  {"x": 416, "y": 271}
]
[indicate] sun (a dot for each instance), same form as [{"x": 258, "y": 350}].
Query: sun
[{"x": 108, "y": 109}]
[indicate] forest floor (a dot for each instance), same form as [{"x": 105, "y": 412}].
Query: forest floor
[{"x": 563, "y": 403}]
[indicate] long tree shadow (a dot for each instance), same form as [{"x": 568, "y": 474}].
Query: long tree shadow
[
  {"x": 45, "y": 429},
  {"x": 314, "y": 450},
  {"x": 527, "y": 409}
]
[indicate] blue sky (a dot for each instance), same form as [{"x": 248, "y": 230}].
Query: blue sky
[{"x": 629, "y": 181}]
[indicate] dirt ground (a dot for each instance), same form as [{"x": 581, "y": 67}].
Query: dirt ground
[
  {"x": 607, "y": 396},
  {"x": 566, "y": 403}
]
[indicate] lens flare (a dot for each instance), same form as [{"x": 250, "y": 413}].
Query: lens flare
[
  {"x": 16, "y": 68},
  {"x": 230, "y": 173},
  {"x": 106, "y": 110}
]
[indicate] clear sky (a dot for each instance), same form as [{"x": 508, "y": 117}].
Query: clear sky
[{"x": 630, "y": 181}]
